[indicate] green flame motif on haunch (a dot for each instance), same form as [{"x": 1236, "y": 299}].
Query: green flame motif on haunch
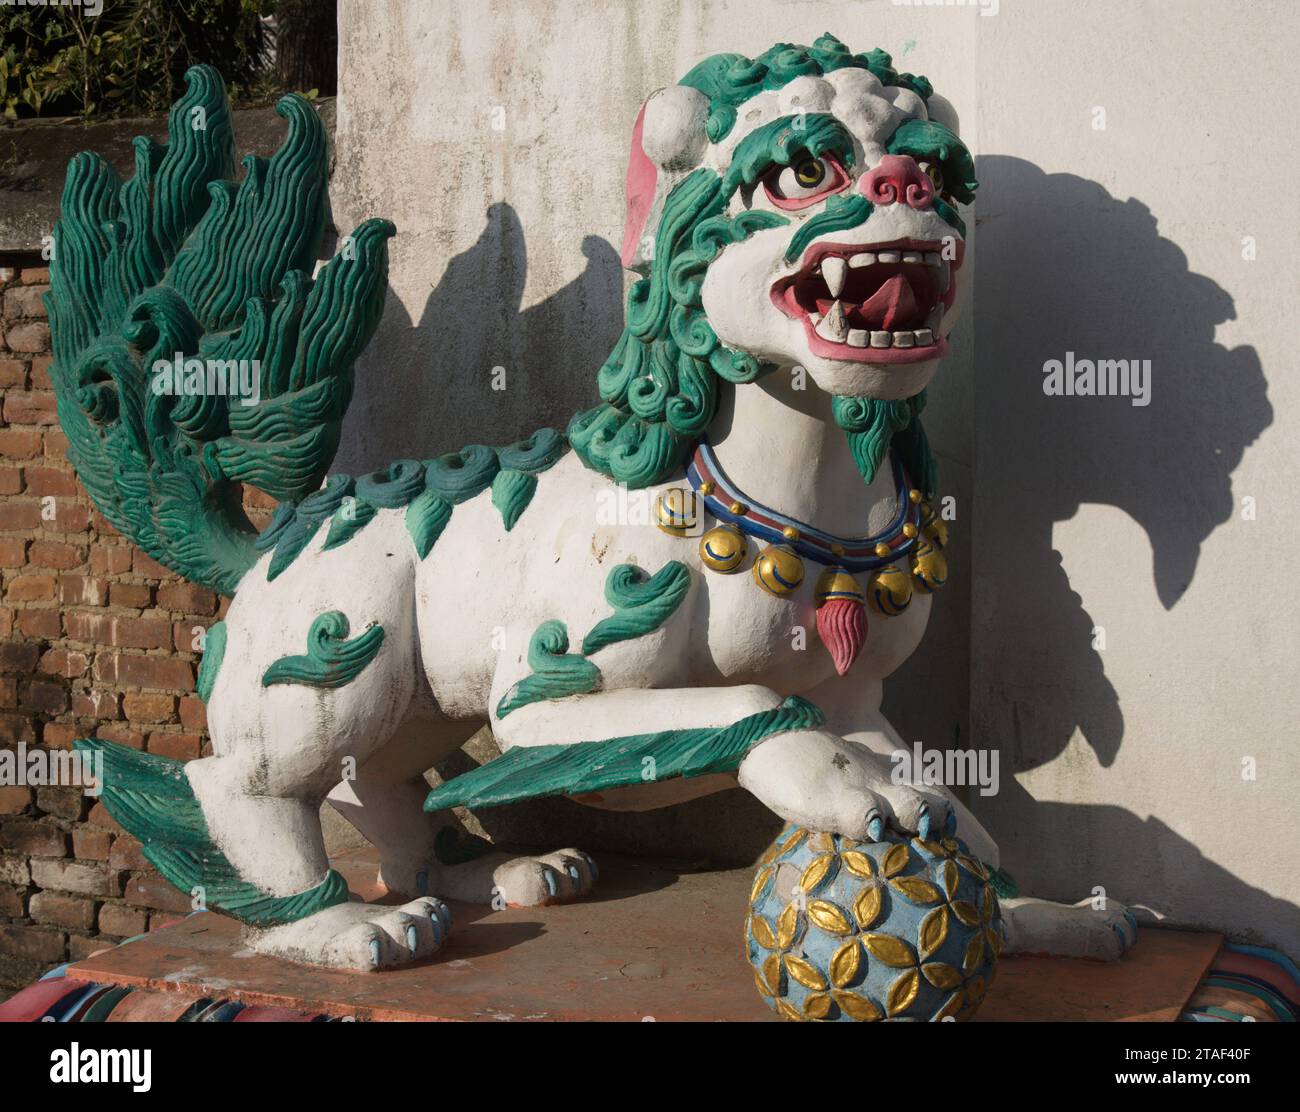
[{"x": 181, "y": 261}]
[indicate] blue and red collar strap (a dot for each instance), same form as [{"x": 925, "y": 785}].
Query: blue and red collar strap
[{"x": 765, "y": 523}]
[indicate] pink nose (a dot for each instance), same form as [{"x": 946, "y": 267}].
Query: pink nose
[{"x": 898, "y": 178}]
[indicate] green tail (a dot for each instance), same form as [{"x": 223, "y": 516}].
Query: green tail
[
  {"x": 151, "y": 797},
  {"x": 180, "y": 259},
  {"x": 529, "y": 771}
]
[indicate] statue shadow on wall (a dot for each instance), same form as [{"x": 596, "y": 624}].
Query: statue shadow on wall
[
  {"x": 438, "y": 371},
  {"x": 1063, "y": 266}
]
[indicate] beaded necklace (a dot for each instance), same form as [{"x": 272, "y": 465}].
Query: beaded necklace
[{"x": 917, "y": 534}]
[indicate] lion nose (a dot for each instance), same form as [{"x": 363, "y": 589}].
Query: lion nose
[{"x": 898, "y": 178}]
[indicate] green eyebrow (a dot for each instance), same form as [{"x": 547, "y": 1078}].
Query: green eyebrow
[
  {"x": 778, "y": 142},
  {"x": 928, "y": 139}
]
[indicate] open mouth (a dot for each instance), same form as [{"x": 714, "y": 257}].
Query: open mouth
[{"x": 872, "y": 303}]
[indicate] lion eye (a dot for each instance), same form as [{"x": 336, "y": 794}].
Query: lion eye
[
  {"x": 934, "y": 172},
  {"x": 810, "y": 172},
  {"x": 805, "y": 180}
]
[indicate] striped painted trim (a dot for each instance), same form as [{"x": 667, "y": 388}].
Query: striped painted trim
[{"x": 765, "y": 523}]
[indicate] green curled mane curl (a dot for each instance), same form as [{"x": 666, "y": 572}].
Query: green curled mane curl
[{"x": 660, "y": 384}]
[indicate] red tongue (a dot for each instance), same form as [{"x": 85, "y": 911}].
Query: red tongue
[{"x": 890, "y": 307}]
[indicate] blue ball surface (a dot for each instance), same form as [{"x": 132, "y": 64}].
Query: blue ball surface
[{"x": 901, "y": 929}]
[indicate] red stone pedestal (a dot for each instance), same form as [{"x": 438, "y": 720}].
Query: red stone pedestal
[{"x": 653, "y": 943}]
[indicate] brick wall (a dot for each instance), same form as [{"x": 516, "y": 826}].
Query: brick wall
[{"x": 95, "y": 638}]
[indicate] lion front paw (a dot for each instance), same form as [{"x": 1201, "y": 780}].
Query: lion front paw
[{"x": 815, "y": 779}]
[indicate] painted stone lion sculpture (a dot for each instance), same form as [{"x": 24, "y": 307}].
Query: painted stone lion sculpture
[{"x": 794, "y": 222}]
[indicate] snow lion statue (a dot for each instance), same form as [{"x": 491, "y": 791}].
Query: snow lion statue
[{"x": 795, "y": 222}]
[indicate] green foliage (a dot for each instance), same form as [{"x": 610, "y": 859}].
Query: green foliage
[{"x": 131, "y": 57}]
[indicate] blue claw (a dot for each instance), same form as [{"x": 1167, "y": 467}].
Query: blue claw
[
  {"x": 950, "y": 823},
  {"x": 1132, "y": 922},
  {"x": 374, "y": 952},
  {"x": 422, "y": 882},
  {"x": 924, "y": 823},
  {"x": 876, "y": 828},
  {"x": 412, "y": 938},
  {"x": 551, "y": 885},
  {"x": 595, "y": 869},
  {"x": 576, "y": 876}
]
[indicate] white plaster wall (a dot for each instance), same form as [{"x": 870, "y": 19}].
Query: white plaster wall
[{"x": 1090, "y": 512}]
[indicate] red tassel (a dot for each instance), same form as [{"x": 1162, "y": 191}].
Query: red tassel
[{"x": 842, "y": 626}]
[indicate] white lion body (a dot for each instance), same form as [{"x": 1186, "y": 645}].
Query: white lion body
[{"x": 457, "y": 623}]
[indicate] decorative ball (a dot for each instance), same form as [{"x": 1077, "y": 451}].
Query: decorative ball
[
  {"x": 889, "y": 591},
  {"x": 835, "y": 582},
  {"x": 935, "y": 528},
  {"x": 896, "y": 930},
  {"x": 929, "y": 568},
  {"x": 778, "y": 570},
  {"x": 723, "y": 547},
  {"x": 676, "y": 511}
]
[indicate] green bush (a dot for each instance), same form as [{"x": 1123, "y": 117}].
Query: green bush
[{"x": 130, "y": 57}]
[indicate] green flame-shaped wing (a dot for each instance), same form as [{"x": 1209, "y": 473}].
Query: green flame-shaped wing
[{"x": 183, "y": 260}]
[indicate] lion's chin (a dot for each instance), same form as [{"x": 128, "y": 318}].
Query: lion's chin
[{"x": 889, "y": 381}]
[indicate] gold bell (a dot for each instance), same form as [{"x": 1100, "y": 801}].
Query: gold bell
[
  {"x": 889, "y": 591},
  {"x": 933, "y": 527},
  {"x": 723, "y": 547},
  {"x": 778, "y": 570},
  {"x": 929, "y": 568},
  {"x": 677, "y": 511},
  {"x": 836, "y": 583}
]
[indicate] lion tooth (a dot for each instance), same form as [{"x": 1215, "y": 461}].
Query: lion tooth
[
  {"x": 912, "y": 257},
  {"x": 904, "y": 339},
  {"x": 833, "y": 326},
  {"x": 924, "y": 337},
  {"x": 833, "y": 270},
  {"x": 814, "y": 317},
  {"x": 864, "y": 258},
  {"x": 889, "y": 256},
  {"x": 882, "y": 339},
  {"x": 858, "y": 337},
  {"x": 933, "y": 258}
]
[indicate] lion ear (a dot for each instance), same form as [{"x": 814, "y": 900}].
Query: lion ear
[{"x": 668, "y": 141}]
